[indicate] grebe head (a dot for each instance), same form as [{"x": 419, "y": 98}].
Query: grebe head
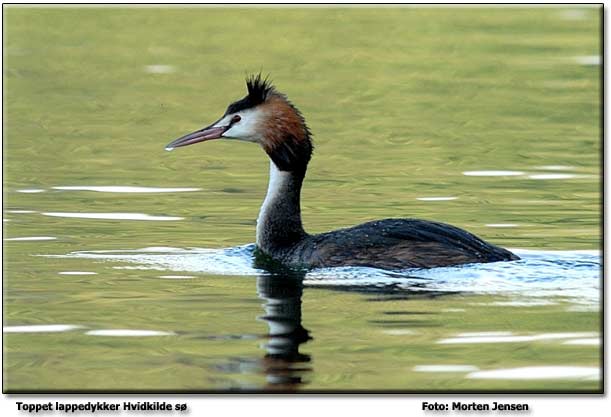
[{"x": 265, "y": 116}]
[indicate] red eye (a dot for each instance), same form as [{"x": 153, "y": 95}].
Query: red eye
[{"x": 235, "y": 119}]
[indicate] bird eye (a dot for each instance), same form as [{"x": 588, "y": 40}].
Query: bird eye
[{"x": 235, "y": 119}]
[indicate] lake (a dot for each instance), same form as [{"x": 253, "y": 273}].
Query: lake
[{"x": 130, "y": 268}]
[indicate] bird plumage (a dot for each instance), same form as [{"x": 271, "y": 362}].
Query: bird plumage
[{"x": 266, "y": 116}]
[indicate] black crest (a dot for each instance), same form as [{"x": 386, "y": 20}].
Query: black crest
[{"x": 259, "y": 90}]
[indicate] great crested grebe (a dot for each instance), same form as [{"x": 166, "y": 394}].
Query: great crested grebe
[{"x": 267, "y": 117}]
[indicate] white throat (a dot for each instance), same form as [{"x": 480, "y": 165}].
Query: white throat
[{"x": 277, "y": 184}]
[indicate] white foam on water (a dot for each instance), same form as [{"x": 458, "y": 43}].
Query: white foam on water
[
  {"x": 552, "y": 176},
  {"x": 594, "y": 341},
  {"x": 136, "y": 268},
  {"x": 573, "y": 14},
  {"x": 484, "y": 334},
  {"x": 77, "y": 273},
  {"x": 565, "y": 276},
  {"x": 128, "y": 333},
  {"x": 492, "y": 173},
  {"x": 159, "y": 69},
  {"x": 176, "y": 276},
  {"x": 231, "y": 261},
  {"x": 534, "y": 252},
  {"x": 588, "y": 60},
  {"x": 501, "y": 225},
  {"x": 436, "y": 198},
  {"x": 151, "y": 249},
  {"x": 125, "y": 189},
  {"x": 518, "y": 303},
  {"x": 31, "y": 190},
  {"x": 583, "y": 308},
  {"x": 40, "y": 328},
  {"x": 567, "y": 335},
  {"x": 445, "y": 368},
  {"x": 31, "y": 238},
  {"x": 113, "y": 216},
  {"x": 556, "y": 167},
  {"x": 20, "y": 211},
  {"x": 539, "y": 372},
  {"x": 511, "y": 338},
  {"x": 486, "y": 339},
  {"x": 399, "y": 332}
]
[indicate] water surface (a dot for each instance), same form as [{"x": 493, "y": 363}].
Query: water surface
[{"x": 127, "y": 267}]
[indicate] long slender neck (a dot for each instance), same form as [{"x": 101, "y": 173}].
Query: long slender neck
[{"x": 279, "y": 223}]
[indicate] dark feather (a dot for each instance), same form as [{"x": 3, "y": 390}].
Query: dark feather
[
  {"x": 396, "y": 244},
  {"x": 259, "y": 89}
]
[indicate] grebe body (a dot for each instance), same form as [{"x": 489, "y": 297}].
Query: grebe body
[{"x": 268, "y": 118}]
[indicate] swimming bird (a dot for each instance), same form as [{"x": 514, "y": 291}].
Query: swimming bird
[{"x": 267, "y": 117}]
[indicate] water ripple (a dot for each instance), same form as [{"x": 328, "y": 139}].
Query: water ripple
[
  {"x": 124, "y": 189},
  {"x": 492, "y": 173},
  {"x": 40, "y": 328},
  {"x": 539, "y": 372},
  {"x": 31, "y": 190},
  {"x": 114, "y": 216},
  {"x": 30, "y": 238},
  {"x": 127, "y": 333},
  {"x": 539, "y": 275}
]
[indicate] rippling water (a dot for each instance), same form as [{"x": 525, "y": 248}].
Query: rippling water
[
  {"x": 572, "y": 276},
  {"x": 127, "y": 267}
]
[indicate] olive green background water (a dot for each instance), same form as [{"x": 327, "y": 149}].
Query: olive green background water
[{"x": 401, "y": 101}]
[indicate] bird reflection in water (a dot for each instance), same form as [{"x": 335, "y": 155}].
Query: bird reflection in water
[
  {"x": 284, "y": 367},
  {"x": 281, "y": 288},
  {"x": 283, "y": 364}
]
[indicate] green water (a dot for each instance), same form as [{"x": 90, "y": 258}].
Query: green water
[{"x": 402, "y": 103}]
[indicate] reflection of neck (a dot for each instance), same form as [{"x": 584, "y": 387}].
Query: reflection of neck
[
  {"x": 282, "y": 297},
  {"x": 279, "y": 223},
  {"x": 282, "y": 306}
]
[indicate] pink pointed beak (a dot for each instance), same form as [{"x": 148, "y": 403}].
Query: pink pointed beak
[{"x": 207, "y": 133}]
